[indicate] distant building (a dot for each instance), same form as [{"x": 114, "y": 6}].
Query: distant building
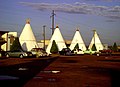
[
  {"x": 2, "y": 39},
  {"x": 41, "y": 43},
  {"x": 105, "y": 46},
  {"x": 9, "y": 37},
  {"x": 119, "y": 48}
]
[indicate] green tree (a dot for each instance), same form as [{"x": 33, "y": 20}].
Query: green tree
[
  {"x": 54, "y": 48},
  {"x": 115, "y": 48},
  {"x": 16, "y": 45},
  {"x": 94, "y": 48},
  {"x": 76, "y": 46}
]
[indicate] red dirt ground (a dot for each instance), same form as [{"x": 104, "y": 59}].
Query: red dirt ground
[{"x": 79, "y": 71}]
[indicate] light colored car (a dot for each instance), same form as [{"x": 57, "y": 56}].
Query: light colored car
[
  {"x": 89, "y": 52},
  {"x": 38, "y": 52},
  {"x": 18, "y": 53}
]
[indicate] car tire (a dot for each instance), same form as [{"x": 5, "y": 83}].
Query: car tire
[
  {"x": 0, "y": 55},
  {"x": 7, "y": 55},
  {"x": 21, "y": 56},
  {"x": 37, "y": 56}
]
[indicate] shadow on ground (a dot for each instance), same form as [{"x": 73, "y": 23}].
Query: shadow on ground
[{"x": 17, "y": 75}]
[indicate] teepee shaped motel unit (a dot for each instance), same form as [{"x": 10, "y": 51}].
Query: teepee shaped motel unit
[
  {"x": 78, "y": 39},
  {"x": 27, "y": 38},
  {"x": 96, "y": 40},
  {"x": 57, "y": 36}
]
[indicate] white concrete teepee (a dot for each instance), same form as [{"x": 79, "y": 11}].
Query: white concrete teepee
[
  {"x": 96, "y": 40},
  {"x": 27, "y": 38},
  {"x": 57, "y": 36},
  {"x": 78, "y": 39}
]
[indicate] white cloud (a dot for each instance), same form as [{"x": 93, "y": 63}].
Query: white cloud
[
  {"x": 78, "y": 8},
  {"x": 115, "y": 9}
]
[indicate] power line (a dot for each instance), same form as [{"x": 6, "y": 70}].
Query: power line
[{"x": 73, "y": 22}]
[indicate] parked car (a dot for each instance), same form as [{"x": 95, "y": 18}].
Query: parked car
[
  {"x": 78, "y": 51},
  {"x": 89, "y": 52},
  {"x": 18, "y": 53},
  {"x": 39, "y": 52},
  {"x": 65, "y": 51},
  {"x": 2, "y": 53},
  {"x": 107, "y": 51}
]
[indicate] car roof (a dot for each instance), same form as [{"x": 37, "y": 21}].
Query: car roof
[{"x": 38, "y": 48}]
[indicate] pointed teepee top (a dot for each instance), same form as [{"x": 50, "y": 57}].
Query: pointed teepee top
[
  {"x": 28, "y": 21},
  {"x": 57, "y": 26},
  {"x": 94, "y": 31},
  {"x": 77, "y": 29}
]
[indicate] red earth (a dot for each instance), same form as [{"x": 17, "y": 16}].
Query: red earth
[{"x": 79, "y": 71}]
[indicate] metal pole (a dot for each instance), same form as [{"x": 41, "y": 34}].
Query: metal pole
[
  {"x": 7, "y": 42},
  {"x": 44, "y": 36},
  {"x": 94, "y": 35},
  {"x": 53, "y": 14}
]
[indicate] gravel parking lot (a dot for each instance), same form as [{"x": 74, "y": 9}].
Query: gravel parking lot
[
  {"x": 61, "y": 71},
  {"x": 79, "y": 71}
]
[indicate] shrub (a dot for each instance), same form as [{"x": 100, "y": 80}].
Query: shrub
[
  {"x": 54, "y": 48},
  {"x": 94, "y": 48},
  {"x": 16, "y": 45},
  {"x": 115, "y": 48}
]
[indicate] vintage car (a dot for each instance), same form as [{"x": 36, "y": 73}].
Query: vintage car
[
  {"x": 39, "y": 52},
  {"x": 78, "y": 52},
  {"x": 65, "y": 51},
  {"x": 18, "y": 53}
]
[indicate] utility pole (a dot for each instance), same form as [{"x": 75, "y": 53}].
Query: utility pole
[
  {"x": 53, "y": 14},
  {"x": 44, "y": 36},
  {"x": 7, "y": 42}
]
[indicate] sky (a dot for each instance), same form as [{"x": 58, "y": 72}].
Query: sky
[{"x": 102, "y": 15}]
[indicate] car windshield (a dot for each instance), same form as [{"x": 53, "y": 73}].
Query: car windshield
[
  {"x": 65, "y": 49},
  {"x": 37, "y": 49},
  {"x": 18, "y": 50}
]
